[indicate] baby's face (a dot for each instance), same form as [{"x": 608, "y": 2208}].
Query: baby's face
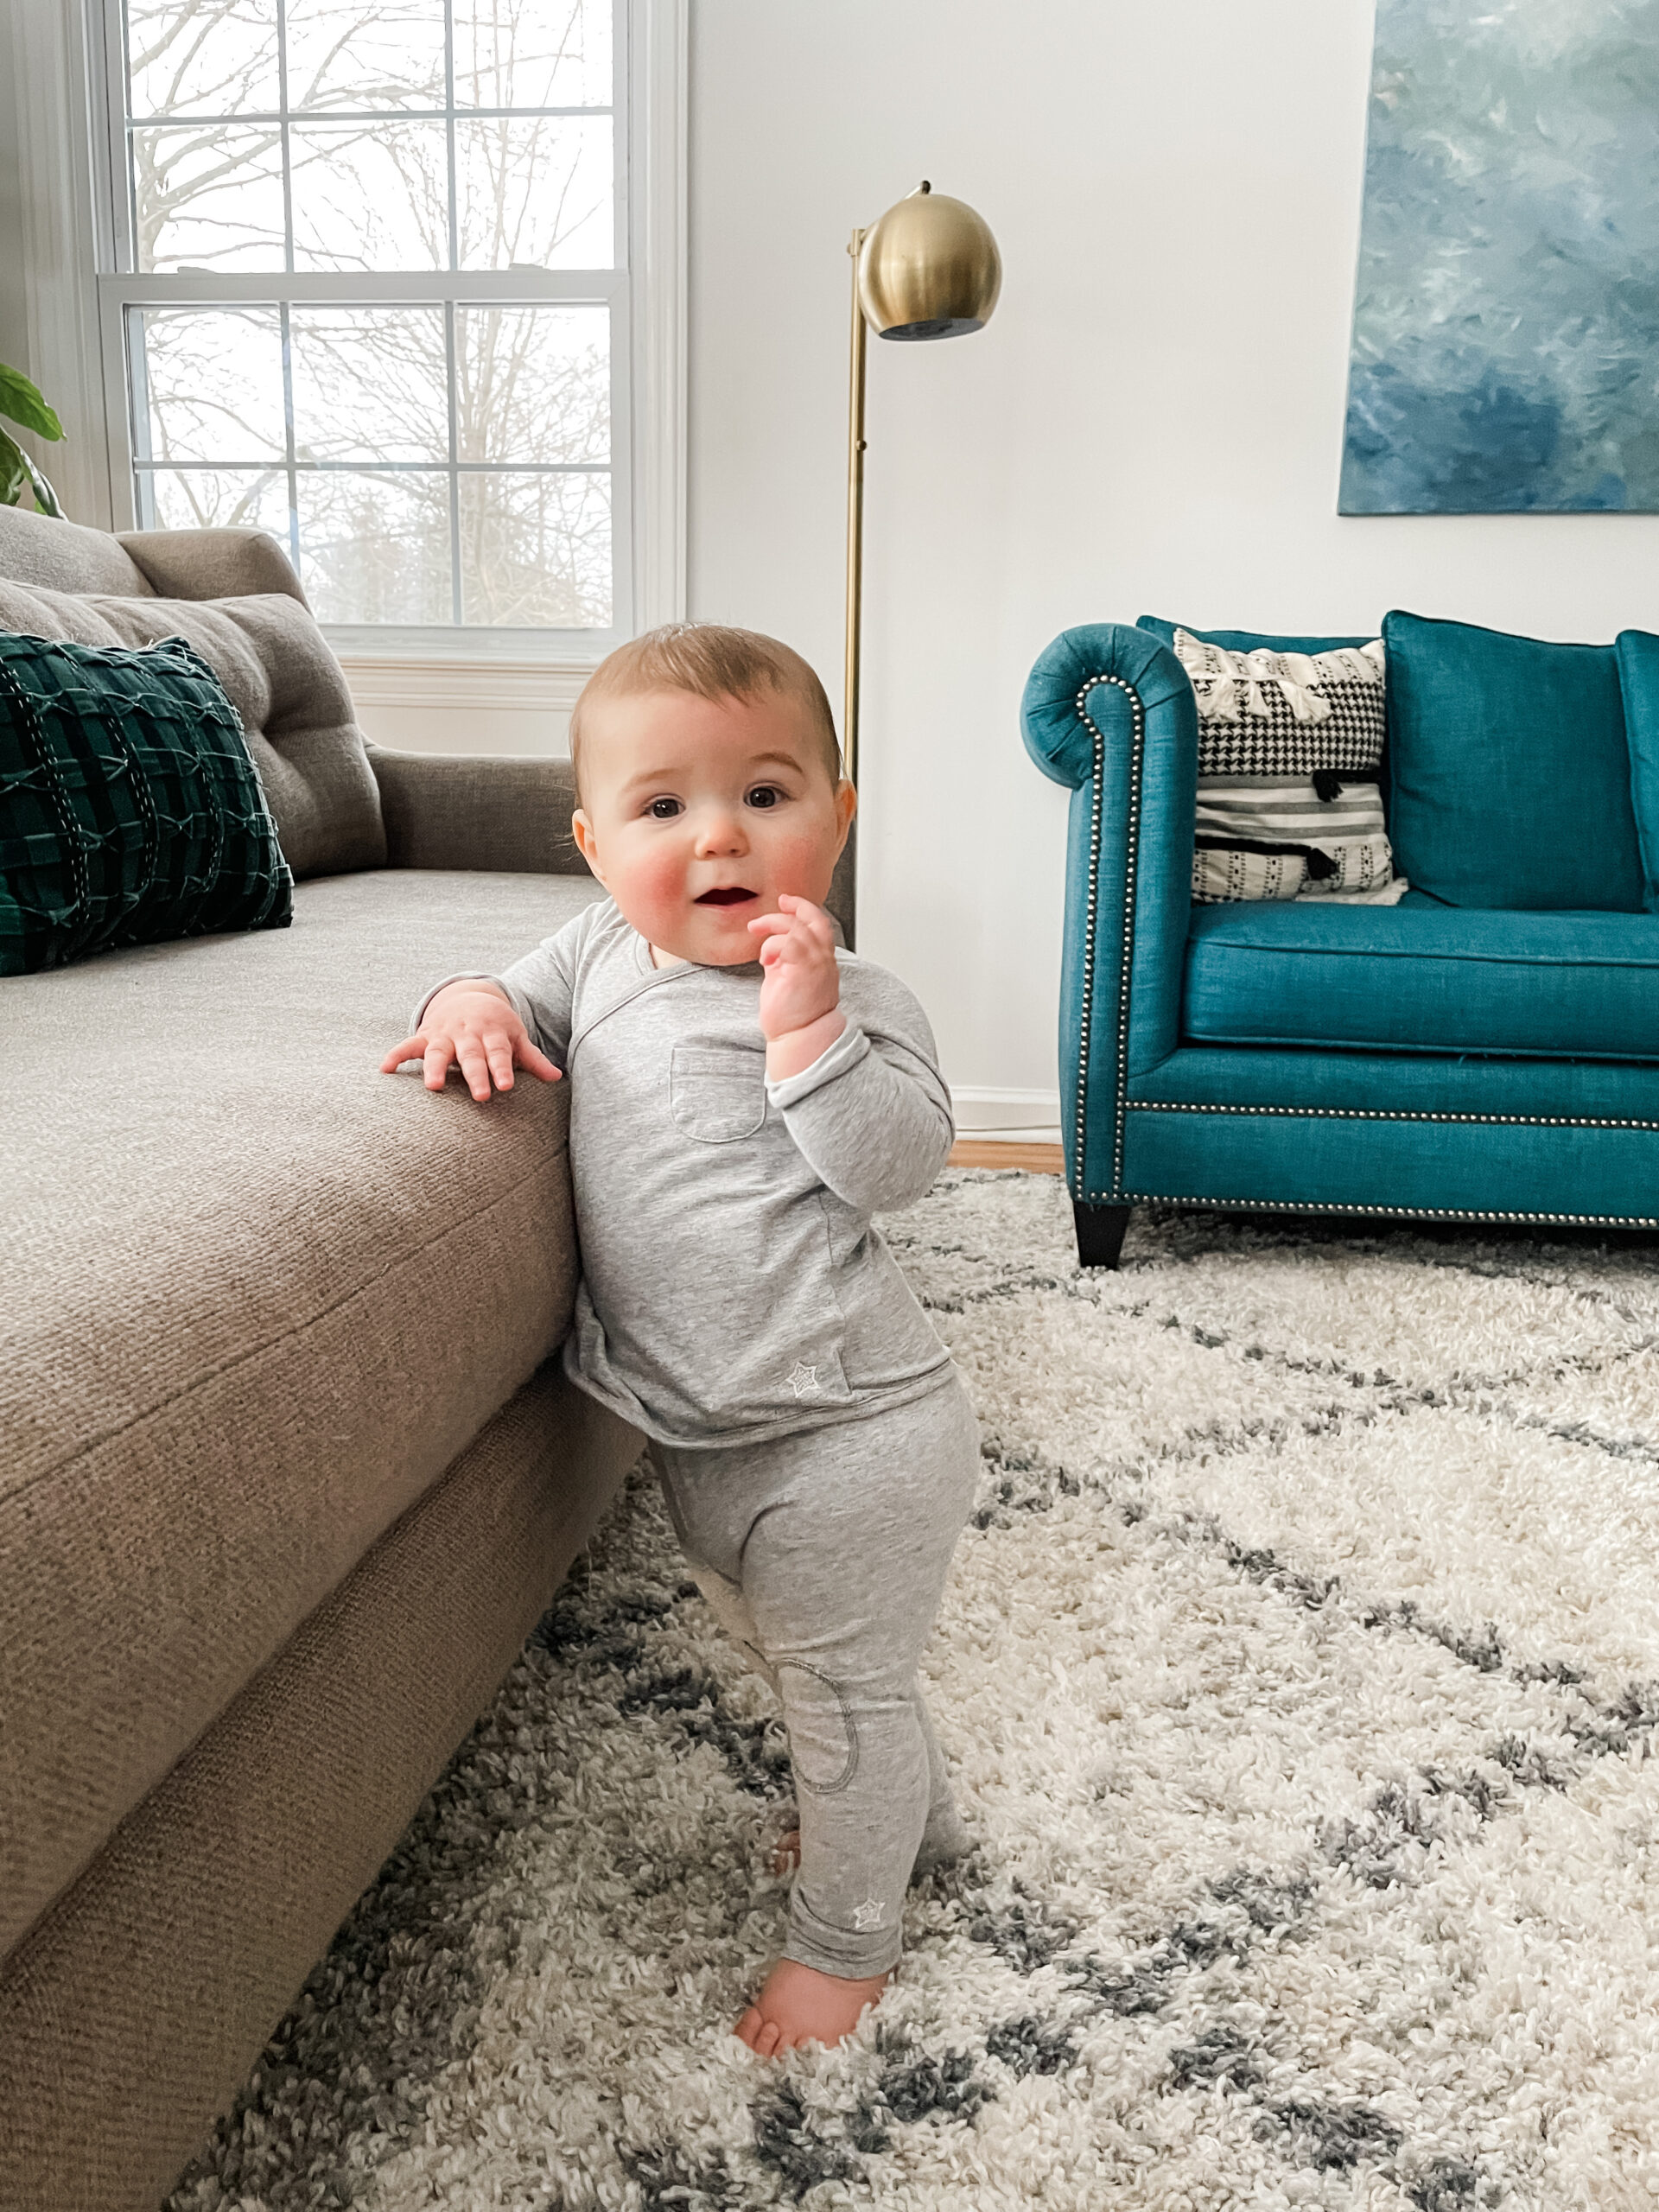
[{"x": 698, "y": 812}]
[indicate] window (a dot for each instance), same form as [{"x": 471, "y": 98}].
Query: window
[{"x": 369, "y": 288}]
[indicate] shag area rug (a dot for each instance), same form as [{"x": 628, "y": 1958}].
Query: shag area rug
[{"x": 1299, "y": 1669}]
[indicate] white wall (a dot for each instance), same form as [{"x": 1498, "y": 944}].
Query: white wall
[
  {"x": 1151, "y": 423},
  {"x": 14, "y": 344}
]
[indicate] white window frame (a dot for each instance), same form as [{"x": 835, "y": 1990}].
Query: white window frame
[{"x": 74, "y": 197}]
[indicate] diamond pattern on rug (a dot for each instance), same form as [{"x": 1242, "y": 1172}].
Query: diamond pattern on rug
[{"x": 1301, "y": 1670}]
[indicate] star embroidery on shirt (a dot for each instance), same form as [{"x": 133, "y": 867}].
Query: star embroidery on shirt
[
  {"x": 869, "y": 1915},
  {"x": 802, "y": 1378}
]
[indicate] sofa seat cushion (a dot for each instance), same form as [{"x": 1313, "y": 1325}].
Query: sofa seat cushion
[
  {"x": 260, "y": 1296},
  {"x": 1419, "y": 977}
]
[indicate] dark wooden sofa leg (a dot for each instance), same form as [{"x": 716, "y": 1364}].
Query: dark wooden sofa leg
[{"x": 1100, "y": 1233}]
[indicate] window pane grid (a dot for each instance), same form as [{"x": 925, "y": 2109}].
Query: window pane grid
[
  {"x": 148, "y": 133},
  {"x": 387, "y": 467},
  {"x": 287, "y": 434},
  {"x": 455, "y": 219},
  {"x": 288, "y": 171},
  {"x": 451, "y": 423},
  {"x": 471, "y": 542},
  {"x": 277, "y": 115}
]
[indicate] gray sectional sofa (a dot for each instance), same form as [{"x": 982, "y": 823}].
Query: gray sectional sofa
[{"x": 285, "y": 1478}]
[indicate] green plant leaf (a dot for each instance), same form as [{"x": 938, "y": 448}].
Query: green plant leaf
[
  {"x": 20, "y": 402},
  {"x": 45, "y": 498},
  {"x": 14, "y": 471},
  {"x": 18, "y": 471}
]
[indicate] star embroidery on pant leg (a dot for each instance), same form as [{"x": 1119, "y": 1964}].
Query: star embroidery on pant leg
[
  {"x": 869, "y": 1915},
  {"x": 802, "y": 1378}
]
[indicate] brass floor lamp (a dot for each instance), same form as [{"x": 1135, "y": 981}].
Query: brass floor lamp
[{"x": 928, "y": 269}]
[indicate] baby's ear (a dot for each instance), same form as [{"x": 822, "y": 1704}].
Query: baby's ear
[{"x": 587, "y": 844}]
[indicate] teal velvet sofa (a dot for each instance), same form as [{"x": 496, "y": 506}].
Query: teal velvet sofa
[{"x": 1487, "y": 1050}]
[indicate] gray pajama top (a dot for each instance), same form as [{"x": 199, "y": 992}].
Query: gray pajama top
[{"x": 733, "y": 1287}]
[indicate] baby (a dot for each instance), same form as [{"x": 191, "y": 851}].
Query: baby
[{"x": 744, "y": 1096}]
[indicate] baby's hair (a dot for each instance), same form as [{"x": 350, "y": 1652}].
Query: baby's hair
[{"x": 711, "y": 661}]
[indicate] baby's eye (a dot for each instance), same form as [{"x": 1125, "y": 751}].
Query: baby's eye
[
  {"x": 665, "y": 810},
  {"x": 763, "y": 795}
]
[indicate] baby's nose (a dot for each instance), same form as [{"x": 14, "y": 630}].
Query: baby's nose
[{"x": 721, "y": 831}]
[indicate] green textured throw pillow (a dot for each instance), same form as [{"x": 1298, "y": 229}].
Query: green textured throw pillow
[{"x": 129, "y": 810}]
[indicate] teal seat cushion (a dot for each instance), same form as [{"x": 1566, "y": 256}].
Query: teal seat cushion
[
  {"x": 1638, "y": 684},
  {"x": 1510, "y": 772},
  {"x": 130, "y": 810},
  {"x": 1249, "y": 641},
  {"x": 1421, "y": 978}
]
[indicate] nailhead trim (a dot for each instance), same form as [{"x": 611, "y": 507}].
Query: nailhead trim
[
  {"x": 1091, "y": 921},
  {"x": 1392, "y": 1213},
  {"x": 1123, "y": 1105},
  {"x": 1387, "y": 1114}
]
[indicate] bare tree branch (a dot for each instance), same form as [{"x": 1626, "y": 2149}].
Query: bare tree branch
[{"x": 370, "y": 384}]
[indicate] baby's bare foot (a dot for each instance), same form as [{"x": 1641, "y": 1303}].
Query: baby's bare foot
[
  {"x": 799, "y": 2005},
  {"x": 787, "y": 1856}
]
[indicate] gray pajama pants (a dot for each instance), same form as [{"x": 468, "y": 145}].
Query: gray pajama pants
[{"x": 825, "y": 1554}]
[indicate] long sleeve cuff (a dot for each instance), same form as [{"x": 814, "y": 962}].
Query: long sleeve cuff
[{"x": 847, "y": 1051}]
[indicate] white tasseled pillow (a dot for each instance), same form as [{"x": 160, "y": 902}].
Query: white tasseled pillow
[{"x": 1288, "y": 749}]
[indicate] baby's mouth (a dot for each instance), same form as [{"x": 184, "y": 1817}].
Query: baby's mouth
[{"x": 728, "y": 894}]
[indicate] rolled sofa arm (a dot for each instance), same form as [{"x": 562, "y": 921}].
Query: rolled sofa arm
[
  {"x": 212, "y": 563},
  {"x": 1109, "y": 711},
  {"x": 510, "y": 815}
]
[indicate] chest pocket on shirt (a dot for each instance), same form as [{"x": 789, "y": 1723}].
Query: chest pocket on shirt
[{"x": 717, "y": 1093}]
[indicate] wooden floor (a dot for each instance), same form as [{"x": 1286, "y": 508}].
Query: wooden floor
[{"x": 1036, "y": 1158}]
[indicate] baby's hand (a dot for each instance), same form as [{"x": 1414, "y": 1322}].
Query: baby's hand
[
  {"x": 800, "y": 994},
  {"x": 475, "y": 1026}
]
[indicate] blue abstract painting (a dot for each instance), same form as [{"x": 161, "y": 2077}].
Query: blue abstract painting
[{"x": 1506, "y": 323}]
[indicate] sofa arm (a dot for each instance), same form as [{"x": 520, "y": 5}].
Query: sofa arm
[
  {"x": 509, "y": 816},
  {"x": 1109, "y": 711},
  {"x": 212, "y": 563}
]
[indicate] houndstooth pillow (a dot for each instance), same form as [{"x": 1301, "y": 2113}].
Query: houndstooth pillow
[
  {"x": 1288, "y": 749},
  {"x": 1268, "y": 713}
]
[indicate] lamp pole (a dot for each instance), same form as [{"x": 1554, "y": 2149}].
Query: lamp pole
[
  {"x": 854, "y": 519},
  {"x": 928, "y": 269}
]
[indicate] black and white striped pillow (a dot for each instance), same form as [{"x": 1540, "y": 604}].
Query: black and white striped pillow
[{"x": 1288, "y": 749}]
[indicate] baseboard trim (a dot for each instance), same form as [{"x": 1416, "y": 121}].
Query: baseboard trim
[{"x": 1032, "y": 1117}]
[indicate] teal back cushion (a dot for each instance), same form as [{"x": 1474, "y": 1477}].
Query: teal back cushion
[
  {"x": 1509, "y": 771},
  {"x": 1249, "y": 641},
  {"x": 130, "y": 809},
  {"x": 1638, "y": 682}
]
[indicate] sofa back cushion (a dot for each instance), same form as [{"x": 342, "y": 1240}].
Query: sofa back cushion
[
  {"x": 1638, "y": 684},
  {"x": 1509, "y": 771},
  {"x": 60, "y": 555},
  {"x": 274, "y": 662}
]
